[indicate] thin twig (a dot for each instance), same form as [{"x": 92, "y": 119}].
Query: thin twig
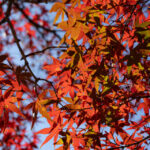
[
  {"x": 51, "y": 83},
  {"x": 36, "y": 1},
  {"x": 136, "y": 143},
  {"x": 19, "y": 47},
  {"x": 36, "y": 24},
  {"x": 7, "y": 12},
  {"x": 43, "y": 50}
]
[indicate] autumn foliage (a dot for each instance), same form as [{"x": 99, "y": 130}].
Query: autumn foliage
[{"x": 92, "y": 84}]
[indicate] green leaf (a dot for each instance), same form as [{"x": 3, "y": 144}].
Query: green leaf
[
  {"x": 146, "y": 33},
  {"x": 129, "y": 68},
  {"x": 140, "y": 66},
  {"x": 106, "y": 89},
  {"x": 143, "y": 25}
]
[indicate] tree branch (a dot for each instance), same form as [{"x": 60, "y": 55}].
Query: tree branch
[
  {"x": 7, "y": 14},
  {"x": 35, "y": 1},
  {"x": 36, "y": 25},
  {"x": 19, "y": 47},
  {"x": 136, "y": 143},
  {"x": 42, "y": 51}
]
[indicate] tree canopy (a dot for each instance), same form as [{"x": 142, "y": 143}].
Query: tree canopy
[{"x": 84, "y": 66}]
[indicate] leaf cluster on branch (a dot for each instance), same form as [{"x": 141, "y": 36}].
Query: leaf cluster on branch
[{"x": 95, "y": 89}]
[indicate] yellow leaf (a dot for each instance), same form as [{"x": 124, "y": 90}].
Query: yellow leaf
[
  {"x": 97, "y": 80},
  {"x": 129, "y": 68},
  {"x": 140, "y": 66},
  {"x": 68, "y": 99},
  {"x": 105, "y": 89},
  {"x": 62, "y": 40},
  {"x": 143, "y": 25},
  {"x": 63, "y": 25},
  {"x": 43, "y": 111},
  {"x": 145, "y": 52},
  {"x": 115, "y": 107},
  {"x": 106, "y": 79},
  {"x": 57, "y": 16},
  {"x": 109, "y": 113},
  {"x": 108, "y": 120},
  {"x": 68, "y": 138},
  {"x": 57, "y": 6},
  {"x": 75, "y": 33},
  {"x": 63, "y": 15},
  {"x": 59, "y": 142},
  {"x": 73, "y": 106},
  {"x": 47, "y": 101}
]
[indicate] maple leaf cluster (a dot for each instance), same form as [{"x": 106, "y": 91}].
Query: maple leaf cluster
[{"x": 96, "y": 89}]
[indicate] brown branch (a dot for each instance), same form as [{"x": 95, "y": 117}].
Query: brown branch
[
  {"x": 51, "y": 83},
  {"x": 4, "y": 89},
  {"x": 36, "y": 25},
  {"x": 136, "y": 143},
  {"x": 132, "y": 11},
  {"x": 19, "y": 47},
  {"x": 128, "y": 20},
  {"x": 7, "y": 14},
  {"x": 133, "y": 98},
  {"x": 26, "y": 62},
  {"x": 45, "y": 49},
  {"x": 35, "y": 1}
]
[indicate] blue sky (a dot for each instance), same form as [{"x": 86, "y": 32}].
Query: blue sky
[{"x": 49, "y": 146}]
